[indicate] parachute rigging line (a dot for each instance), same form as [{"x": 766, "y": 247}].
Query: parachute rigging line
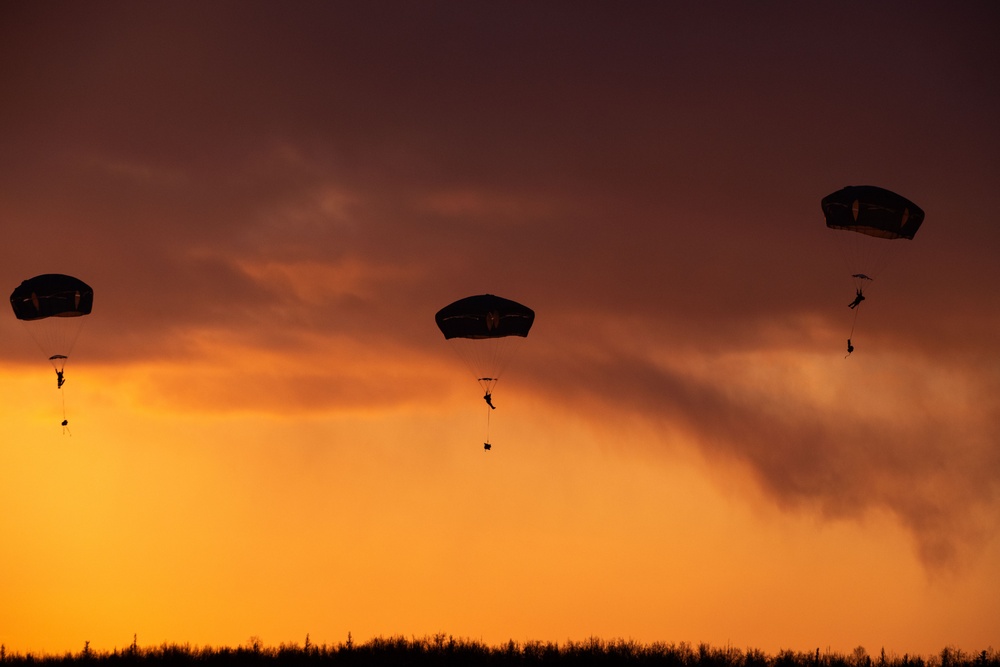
[
  {"x": 65, "y": 421},
  {"x": 486, "y": 443},
  {"x": 854, "y": 322}
]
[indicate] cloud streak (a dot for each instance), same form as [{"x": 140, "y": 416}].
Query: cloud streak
[{"x": 817, "y": 433}]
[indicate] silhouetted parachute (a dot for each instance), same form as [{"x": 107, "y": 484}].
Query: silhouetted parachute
[
  {"x": 52, "y": 305},
  {"x": 484, "y": 316},
  {"x": 873, "y": 216},
  {"x": 867, "y": 209},
  {"x": 482, "y": 330}
]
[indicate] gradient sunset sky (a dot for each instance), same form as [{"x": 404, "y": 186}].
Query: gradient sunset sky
[{"x": 270, "y": 437}]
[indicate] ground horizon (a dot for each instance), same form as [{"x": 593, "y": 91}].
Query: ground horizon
[{"x": 395, "y": 649}]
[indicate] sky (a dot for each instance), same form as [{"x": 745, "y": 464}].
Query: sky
[{"x": 269, "y": 437}]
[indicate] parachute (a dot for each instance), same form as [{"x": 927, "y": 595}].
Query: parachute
[
  {"x": 52, "y": 306},
  {"x": 483, "y": 329},
  {"x": 874, "y": 216}
]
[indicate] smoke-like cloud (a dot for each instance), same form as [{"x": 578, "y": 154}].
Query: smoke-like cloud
[{"x": 818, "y": 433}]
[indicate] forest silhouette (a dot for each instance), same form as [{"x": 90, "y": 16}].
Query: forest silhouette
[{"x": 441, "y": 649}]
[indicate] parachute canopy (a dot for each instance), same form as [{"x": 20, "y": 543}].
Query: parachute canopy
[
  {"x": 873, "y": 211},
  {"x": 484, "y": 316},
  {"x": 51, "y": 295}
]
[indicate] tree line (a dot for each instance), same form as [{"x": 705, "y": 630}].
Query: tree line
[{"x": 441, "y": 649}]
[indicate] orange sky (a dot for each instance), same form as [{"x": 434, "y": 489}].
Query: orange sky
[{"x": 270, "y": 437}]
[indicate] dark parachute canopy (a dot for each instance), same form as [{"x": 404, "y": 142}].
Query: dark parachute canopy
[
  {"x": 874, "y": 211},
  {"x": 51, "y": 295},
  {"x": 484, "y": 316},
  {"x": 52, "y": 305}
]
